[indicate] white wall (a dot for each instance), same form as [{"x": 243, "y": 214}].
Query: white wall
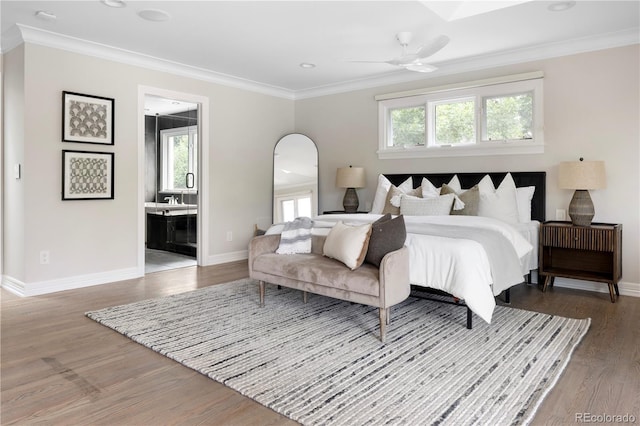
[
  {"x": 592, "y": 110},
  {"x": 13, "y": 153},
  {"x": 97, "y": 240}
]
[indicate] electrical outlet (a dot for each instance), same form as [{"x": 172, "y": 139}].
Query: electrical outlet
[
  {"x": 229, "y": 236},
  {"x": 44, "y": 257},
  {"x": 561, "y": 214}
]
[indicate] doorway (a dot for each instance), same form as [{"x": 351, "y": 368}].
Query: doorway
[{"x": 172, "y": 194}]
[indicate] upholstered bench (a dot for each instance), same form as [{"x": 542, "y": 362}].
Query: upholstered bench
[{"x": 382, "y": 286}]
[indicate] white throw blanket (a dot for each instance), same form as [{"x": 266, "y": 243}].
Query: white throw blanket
[{"x": 296, "y": 236}]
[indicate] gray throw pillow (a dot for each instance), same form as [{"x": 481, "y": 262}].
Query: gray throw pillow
[
  {"x": 470, "y": 198},
  {"x": 387, "y": 235}
]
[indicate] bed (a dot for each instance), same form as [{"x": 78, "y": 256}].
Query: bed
[
  {"x": 445, "y": 259},
  {"x": 469, "y": 258}
]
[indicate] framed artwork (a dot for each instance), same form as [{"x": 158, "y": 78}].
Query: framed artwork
[
  {"x": 87, "y": 175},
  {"x": 87, "y": 119}
]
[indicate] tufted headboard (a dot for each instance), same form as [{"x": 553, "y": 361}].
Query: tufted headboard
[{"x": 467, "y": 180}]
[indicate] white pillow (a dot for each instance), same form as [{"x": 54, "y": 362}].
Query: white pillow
[
  {"x": 416, "y": 206},
  {"x": 348, "y": 244},
  {"x": 429, "y": 190},
  {"x": 524, "y": 195},
  {"x": 380, "y": 198},
  {"x": 500, "y": 203}
]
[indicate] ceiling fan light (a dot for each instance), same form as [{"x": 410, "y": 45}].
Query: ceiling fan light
[
  {"x": 114, "y": 3},
  {"x": 420, "y": 67}
]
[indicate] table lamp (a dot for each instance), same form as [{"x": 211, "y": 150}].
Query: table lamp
[
  {"x": 581, "y": 176},
  {"x": 350, "y": 178}
]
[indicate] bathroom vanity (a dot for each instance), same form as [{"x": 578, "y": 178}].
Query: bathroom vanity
[{"x": 172, "y": 230}]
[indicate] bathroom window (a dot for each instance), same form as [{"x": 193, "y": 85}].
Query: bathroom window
[{"x": 179, "y": 158}]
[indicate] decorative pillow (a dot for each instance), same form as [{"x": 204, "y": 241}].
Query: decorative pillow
[
  {"x": 470, "y": 198},
  {"x": 393, "y": 198},
  {"x": 348, "y": 244},
  {"x": 429, "y": 190},
  {"x": 524, "y": 196},
  {"x": 387, "y": 235},
  {"x": 498, "y": 203},
  {"x": 379, "y": 200},
  {"x": 415, "y": 206}
]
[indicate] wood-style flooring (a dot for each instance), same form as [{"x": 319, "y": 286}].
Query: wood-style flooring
[{"x": 60, "y": 368}]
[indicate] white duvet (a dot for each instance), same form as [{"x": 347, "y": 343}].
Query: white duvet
[{"x": 458, "y": 266}]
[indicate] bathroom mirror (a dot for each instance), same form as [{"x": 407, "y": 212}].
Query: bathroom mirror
[{"x": 295, "y": 178}]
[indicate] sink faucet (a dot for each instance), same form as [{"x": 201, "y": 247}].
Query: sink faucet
[{"x": 170, "y": 200}]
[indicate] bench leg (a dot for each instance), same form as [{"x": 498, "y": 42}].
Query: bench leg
[
  {"x": 305, "y": 297},
  {"x": 261, "y": 284},
  {"x": 383, "y": 323}
]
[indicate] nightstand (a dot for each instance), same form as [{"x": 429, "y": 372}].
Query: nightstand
[
  {"x": 592, "y": 253},
  {"x": 341, "y": 212}
]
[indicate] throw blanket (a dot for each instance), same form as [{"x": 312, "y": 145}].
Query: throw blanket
[{"x": 296, "y": 236}]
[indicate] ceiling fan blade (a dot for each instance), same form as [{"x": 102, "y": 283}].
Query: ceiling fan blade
[
  {"x": 404, "y": 60},
  {"x": 432, "y": 47}
]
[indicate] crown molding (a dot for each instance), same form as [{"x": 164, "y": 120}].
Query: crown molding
[
  {"x": 492, "y": 60},
  {"x": 23, "y": 33},
  {"x": 59, "y": 41}
]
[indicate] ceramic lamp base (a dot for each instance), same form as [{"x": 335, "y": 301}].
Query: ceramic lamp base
[
  {"x": 350, "y": 201},
  {"x": 581, "y": 209}
]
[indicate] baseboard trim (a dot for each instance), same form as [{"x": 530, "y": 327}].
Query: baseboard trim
[
  {"x": 68, "y": 283},
  {"x": 233, "y": 256},
  {"x": 22, "y": 289},
  {"x": 626, "y": 288}
]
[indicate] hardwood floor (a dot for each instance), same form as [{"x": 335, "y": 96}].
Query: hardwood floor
[{"x": 59, "y": 367}]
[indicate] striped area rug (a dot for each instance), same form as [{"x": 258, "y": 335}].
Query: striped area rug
[{"x": 322, "y": 363}]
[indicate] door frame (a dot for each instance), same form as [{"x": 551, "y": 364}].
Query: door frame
[{"x": 202, "y": 251}]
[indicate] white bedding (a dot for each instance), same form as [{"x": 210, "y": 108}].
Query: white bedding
[
  {"x": 459, "y": 266},
  {"x": 530, "y": 231}
]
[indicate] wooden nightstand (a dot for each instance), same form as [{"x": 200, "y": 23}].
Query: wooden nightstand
[
  {"x": 592, "y": 253},
  {"x": 341, "y": 212}
]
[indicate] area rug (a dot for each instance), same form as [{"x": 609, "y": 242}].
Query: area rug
[{"x": 322, "y": 362}]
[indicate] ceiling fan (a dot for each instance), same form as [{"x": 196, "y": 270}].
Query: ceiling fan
[{"x": 415, "y": 61}]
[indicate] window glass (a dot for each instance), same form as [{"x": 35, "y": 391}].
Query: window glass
[
  {"x": 304, "y": 207},
  {"x": 454, "y": 122},
  {"x": 408, "y": 126},
  {"x": 288, "y": 210},
  {"x": 179, "y": 158},
  {"x": 509, "y": 117}
]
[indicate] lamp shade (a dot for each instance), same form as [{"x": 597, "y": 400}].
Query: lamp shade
[
  {"x": 582, "y": 175},
  {"x": 351, "y": 177}
]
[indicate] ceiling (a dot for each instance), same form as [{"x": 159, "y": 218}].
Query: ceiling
[{"x": 260, "y": 45}]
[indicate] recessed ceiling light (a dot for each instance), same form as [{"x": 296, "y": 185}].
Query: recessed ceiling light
[
  {"x": 114, "y": 3},
  {"x": 307, "y": 65},
  {"x": 46, "y": 16},
  {"x": 561, "y": 6},
  {"x": 154, "y": 15}
]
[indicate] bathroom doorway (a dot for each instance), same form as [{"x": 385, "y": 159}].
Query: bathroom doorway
[{"x": 171, "y": 200}]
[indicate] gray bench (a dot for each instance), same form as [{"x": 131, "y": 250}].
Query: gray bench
[{"x": 380, "y": 287}]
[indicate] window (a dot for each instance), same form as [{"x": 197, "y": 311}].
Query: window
[
  {"x": 292, "y": 206},
  {"x": 508, "y": 117},
  {"x": 480, "y": 119},
  {"x": 179, "y": 158}
]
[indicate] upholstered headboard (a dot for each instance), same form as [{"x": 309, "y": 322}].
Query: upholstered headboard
[{"x": 467, "y": 180}]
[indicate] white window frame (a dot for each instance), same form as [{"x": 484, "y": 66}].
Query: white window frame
[
  {"x": 527, "y": 83},
  {"x": 166, "y": 159}
]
